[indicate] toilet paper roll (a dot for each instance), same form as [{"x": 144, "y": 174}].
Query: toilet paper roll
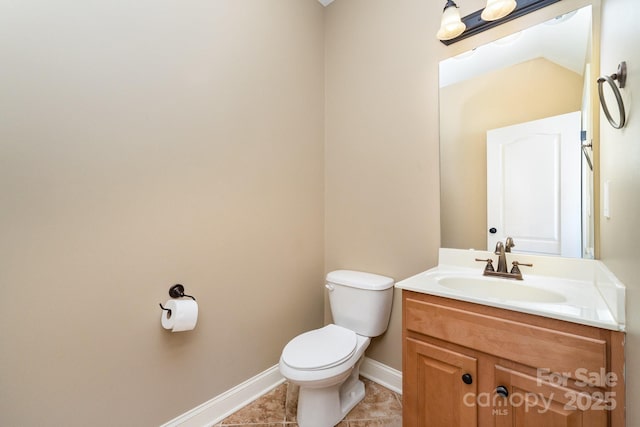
[{"x": 182, "y": 317}]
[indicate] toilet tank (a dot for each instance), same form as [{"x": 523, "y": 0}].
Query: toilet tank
[{"x": 360, "y": 301}]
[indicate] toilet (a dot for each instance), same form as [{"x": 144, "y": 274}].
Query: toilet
[{"x": 325, "y": 362}]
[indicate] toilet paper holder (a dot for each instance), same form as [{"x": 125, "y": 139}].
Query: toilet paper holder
[{"x": 176, "y": 291}]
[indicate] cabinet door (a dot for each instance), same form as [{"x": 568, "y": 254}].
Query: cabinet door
[
  {"x": 440, "y": 387},
  {"x": 526, "y": 401}
]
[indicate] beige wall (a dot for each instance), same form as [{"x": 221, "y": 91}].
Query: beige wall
[
  {"x": 381, "y": 131},
  {"x": 620, "y": 164},
  {"x": 521, "y": 93},
  {"x": 144, "y": 144},
  {"x": 149, "y": 143}
]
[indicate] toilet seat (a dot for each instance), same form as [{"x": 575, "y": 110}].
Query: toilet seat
[{"x": 320, "y": 349}]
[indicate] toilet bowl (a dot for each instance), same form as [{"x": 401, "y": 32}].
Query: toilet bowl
[
  {"x": 325, "y": 362},
  {"x": 330, "y": 386}
]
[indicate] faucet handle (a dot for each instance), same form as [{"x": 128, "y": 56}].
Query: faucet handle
[
  {"x": 515, "y": 269},
  {"x": 489, "y": 266}
]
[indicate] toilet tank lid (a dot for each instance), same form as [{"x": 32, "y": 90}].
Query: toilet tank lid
[{"x": 359, "y": 279}]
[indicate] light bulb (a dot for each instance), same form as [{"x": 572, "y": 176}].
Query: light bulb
[{"x": 497, "y": 9}]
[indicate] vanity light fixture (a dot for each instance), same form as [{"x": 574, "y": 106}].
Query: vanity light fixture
[
  {"x": 450, "y": 26},
  {"x": 487, "y": 18}
]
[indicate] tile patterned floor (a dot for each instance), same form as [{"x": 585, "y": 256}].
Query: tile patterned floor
[{"x": 379, "y": 408}]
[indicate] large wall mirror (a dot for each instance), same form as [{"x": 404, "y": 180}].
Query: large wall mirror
[{"x": 516, "y": 124}]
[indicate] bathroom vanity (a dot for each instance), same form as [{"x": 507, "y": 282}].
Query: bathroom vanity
[{"x": 552, "y": 355}]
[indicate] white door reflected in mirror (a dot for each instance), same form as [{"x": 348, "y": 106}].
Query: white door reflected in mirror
[{"x": 533, "y": 185}]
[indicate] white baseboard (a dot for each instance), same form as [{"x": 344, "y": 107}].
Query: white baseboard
[
  {"x": 225, "y": 404},
  {"x": 382, "y": 374}
]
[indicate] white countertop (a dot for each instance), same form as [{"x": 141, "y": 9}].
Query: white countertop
[{"x": 592, "y": 294}]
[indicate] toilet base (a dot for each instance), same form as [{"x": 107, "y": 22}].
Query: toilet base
[{"x": 326, "y": 407}]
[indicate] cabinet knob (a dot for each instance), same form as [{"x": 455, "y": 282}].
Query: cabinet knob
[
  {"x": 467, "y": 379},
  {"x": 502, "y": 391}
]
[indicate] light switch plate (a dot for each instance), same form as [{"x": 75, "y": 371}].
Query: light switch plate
[{"x": 606, "y": 208}]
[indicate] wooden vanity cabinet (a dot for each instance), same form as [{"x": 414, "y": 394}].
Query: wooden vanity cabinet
[
  {"x": 439, "y": 392},
  {"x": 471, "y": 365},
  {"x": 550, "y": 404}
]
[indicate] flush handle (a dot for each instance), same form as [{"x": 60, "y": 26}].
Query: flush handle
[{"x": 330, "y": 287}]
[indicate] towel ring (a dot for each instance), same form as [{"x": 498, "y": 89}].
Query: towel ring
[{"x": 621, "y": 77}]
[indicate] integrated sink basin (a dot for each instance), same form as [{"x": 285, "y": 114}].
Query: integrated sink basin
[
  {"x": 576, "y": 290},
  {"x": 502, "y": 289}
]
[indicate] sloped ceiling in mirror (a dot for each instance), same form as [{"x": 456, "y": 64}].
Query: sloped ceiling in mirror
[
  {"x": 325, "y": 2},
  {"x": 539, "y": 41}
]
